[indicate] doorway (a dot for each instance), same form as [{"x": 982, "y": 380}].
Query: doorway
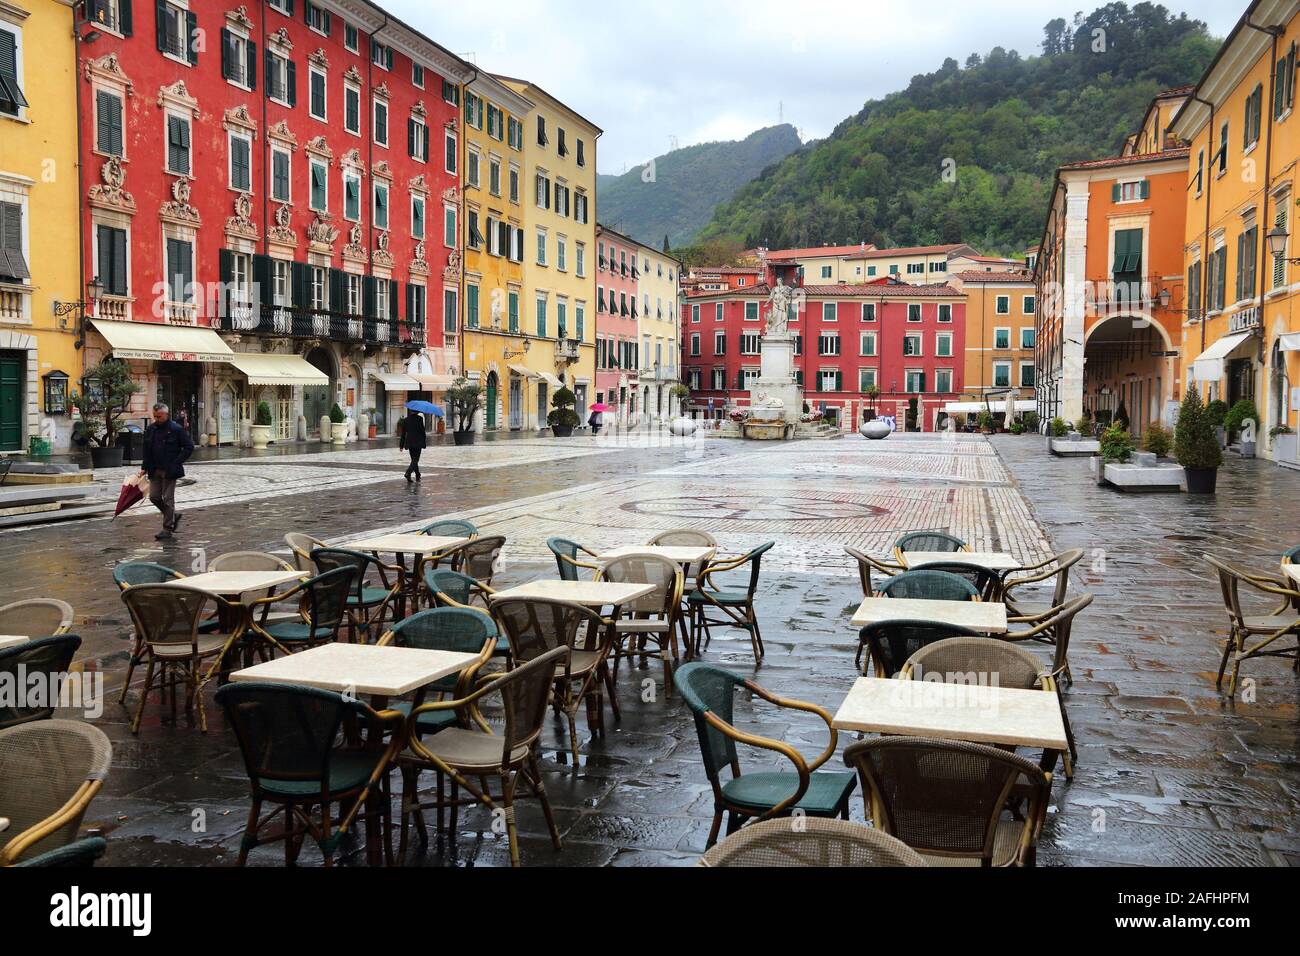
[
  {"x": 316, "y": 398},
  {"x": 11, "y": 400},
  {"x": 541, "y": 404},
  {"x": 1241, "y": 381},
  {"x": 178, "y": 389},
  {"x": 516, "y": 403},
  {"x": 493, "y": 387}
]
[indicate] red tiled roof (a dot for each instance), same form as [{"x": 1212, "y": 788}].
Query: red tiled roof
[
  {"x": 891, "y": 291},
  {"x": 819, "y": 251},
  {"x": 908, "y": 251},
  {"x": 1180, "y": 153},
  {"x": 1015, "y": 278}
]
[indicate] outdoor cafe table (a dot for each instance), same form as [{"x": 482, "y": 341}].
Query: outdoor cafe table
[
  {"x": 7, "y": 640},
  {"x": 400, "y": 545},
  {"x": 379, "y": 672},
  {"x": 982, "y": 559},
  {"x": 236, "y": 585},
  {"x": 972, "y": 712},
  {"x": 590, "y": 594},
  {"x": 984, "y": 617},
  {"x": 678, "y": 554}
]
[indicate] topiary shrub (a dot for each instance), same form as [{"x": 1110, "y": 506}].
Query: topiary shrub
[
  {"x": 1117, "y": 445},
  {"x": 336, "y": 414},
  {"x": 1157, "y": 441},
  {"x": 562, "y": 413},
  {"x": 1195, "y": 445},
  {"x": 1215, "y": 412},
  {"x": 263, "y": 415},
  {"x": 1031, "y": 421},
  {"x": 1059, "y": 427},
  {"x": 1084, "y": 425}
]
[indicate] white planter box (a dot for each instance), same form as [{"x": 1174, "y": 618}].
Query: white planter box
[
  {"x": 1166, "y": 477},
  {"x": 1085, "y": 448}
]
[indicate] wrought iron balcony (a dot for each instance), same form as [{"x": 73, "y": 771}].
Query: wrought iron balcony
[
  {"x": 296, "y": 323},
  {"x": 567, "y": 350}
]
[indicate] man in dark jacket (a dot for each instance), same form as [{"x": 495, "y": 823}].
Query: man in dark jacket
[
  {"x": 167, "y": 446},
  {"x": 414, "y": 439}
]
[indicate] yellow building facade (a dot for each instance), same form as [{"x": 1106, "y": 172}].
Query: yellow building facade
[
  {"x": 1001, "y": 310},
  {"x": 1241, "y": 334},
  {"x": 39, "y": 223},
  {"x": 658, "y": 324},
  {"x": 558, "y": 309}
]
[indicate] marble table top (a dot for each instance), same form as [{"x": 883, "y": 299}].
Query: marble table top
[
  {"x": 1292, "y": 571},
  {"x": 675, "y": 553},
  {"x": 236, "y": 583},
  {"x": 990, "y": 715},
  {"x": 982, "y": 559},
  {"x": 984, "y": 617},
  {"x": 12, "y": 640},
  {"x": 359, "y": 668},
  {"x": 406, "y": 544},
  {"x": 592, "y": 594}
]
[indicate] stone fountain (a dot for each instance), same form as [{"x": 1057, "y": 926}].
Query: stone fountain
[{"x": 775, "y": 399}]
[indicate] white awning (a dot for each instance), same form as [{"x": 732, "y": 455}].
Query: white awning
[
  {"x": 431, "y": 383},
  {"x": 523, "y": 371},
  {"x": 1289, "y": 342},
  {"x": 1209, "y": 367},
  {"x": 163, "y": 343},
  {"x": 264, "y": 368},
  {"x": 551, "y": 380},
  {"x": 995, "y": 406},
  {"x": 397, "y": 382}
]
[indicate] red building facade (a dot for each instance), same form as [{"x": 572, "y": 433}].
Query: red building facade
[
  {"x": 282, "y": 174},
  {"x": 906, "y": 341},
  {"x": 617, "y": 359}
]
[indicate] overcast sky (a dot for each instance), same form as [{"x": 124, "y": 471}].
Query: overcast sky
[{"x": 666, "y": 73}]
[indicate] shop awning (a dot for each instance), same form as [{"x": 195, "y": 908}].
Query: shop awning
[
  {"x": 263, "y": 368},
  {"x": 431, "y": 383},
  {"x": 552, "y": 380},
  {"x": 995, "y": 405},
  {"x": 163, "y": 343},
  {"x": 1289, "y": 342},
  {"x": 1209, "y": 367},
  {"x": 523, "y": 371},
  {"x": 397, "y": 382}
]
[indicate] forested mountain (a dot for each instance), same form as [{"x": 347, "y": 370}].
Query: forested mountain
[
  {"x": 1002, "y": 123},
  {"x": 686, "y": 184}
]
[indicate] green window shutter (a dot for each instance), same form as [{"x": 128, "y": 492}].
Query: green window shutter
[
  {"x": 251, "y": 54},
  {"x": 471, "y": 306},
  {"x": 1145, "y": 189},
  {"x": 368, "y": 296},
  {"x": 119, "y": 277},
  {"x": 1114, "y": 193}
]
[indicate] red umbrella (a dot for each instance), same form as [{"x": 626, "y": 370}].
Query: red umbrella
[
  {"x": 600, "y": 407},
  {"x": 133, "y": 488}
]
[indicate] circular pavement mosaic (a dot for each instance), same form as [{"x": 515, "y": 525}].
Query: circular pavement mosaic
[{"x": 755, "y": 508}]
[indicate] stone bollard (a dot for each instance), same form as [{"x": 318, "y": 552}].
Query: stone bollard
[
  {"x": 326, "y": 434},
  {"x": 363, "y": 427},
  {"x": 302, "y": 428}
]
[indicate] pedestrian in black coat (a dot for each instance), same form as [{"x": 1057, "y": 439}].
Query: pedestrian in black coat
[
  {"x": 414, "y": 440},
  {"x": 167, "y": 446}
]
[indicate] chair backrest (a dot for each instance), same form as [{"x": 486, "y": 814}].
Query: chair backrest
[
  {"x": 944, "y": 796},
  {"x": 982, "y": 661},
  {"x": 330, "y": 559},
  {"x": 37, "y": 617},
  {"x": 446, "y": 629},
  {"x": 534, "y": 626},
  {"x": 249, "y": 561},
  {"x": 450, "y": 528},
  {"x": 710, "y": 689},
  {"x": 130, "y": 573},
  {"x": 893, "y": 642},
  {"x": 686, "y": 538},
  {"x": 1064, "y": 562},
  {"x": 525, "y": 693},
  {"x": 48, "y": 656},
  {"x": 1292, "y": 556},
  {"x": 929, "y": 586},
  {"x": 286, "y": 733},
  {"x": 866, "y": 564},
  {"x": 987, "y": 583},
  {"x": 930, "y": 541},
  {"x": 566, "y": 552},
  {"x": 816, "y": 842},
  {"x": 167, "y": 616},
  {"x": 302, "y": 545},
  {"x": 1061, "y": 625},
  {"x": 43, "y": 766},
  {"x": 654, "y": 569},
  {"x": 479, "y": 558},
  {"x": 327, "y": 597},
  {"x": 453, "y": 585},
  {"x": 755, "y": 559}
]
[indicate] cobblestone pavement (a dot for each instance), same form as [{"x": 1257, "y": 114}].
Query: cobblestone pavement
[{"x": 1168, "y": 772}]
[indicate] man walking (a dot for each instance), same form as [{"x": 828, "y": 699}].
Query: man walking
[{"x": 167, "y": 446}]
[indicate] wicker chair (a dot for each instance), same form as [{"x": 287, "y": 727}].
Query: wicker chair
[
  {"x": 566, "y": 558},
  {"x": 535, "y": 626},
  {"x": 655, "y": 618},
  {"x": 463, "y": 752},
  {"x": 255, "y": 561},
  {"x": 814, "y": 843},
  {"x": 1057, "y": 567},
  {"x": 710, "y": 693},
  {"x": 38, "y": 617},
  {"x": 946, "y": 798},
  {"x": 892, "y": 642},
  {"x": 1292, "y": 557},
  {"x": 929, "y": 586},
  {"x": 48, "y": 656},
  {"x": 479, "y": 559},
  {"x": 736, "y": 608},
  {"x": 1283, "y": 622},
  {"x": 368, "y": 604},
  {"x": 450, "y": 528},
  {"x": 287, "y": 736},
  {"x": 686, "y": 538},
  {"x": 49, "y": 773},
  {"x": 322, "y": 609},
  {"x": 979, "y": 660},
  {"x": 302, "y": 545},
  {"x": 453, "y": 589},
  {"x": 987, "y": 583},
  {"x": 867, "y": 564},
  {"x": 130, "y": 573},
  {"x": 927, "y": 541},
  {"x": 167, "y": 620},
  {"x": 77, "y": 855}
]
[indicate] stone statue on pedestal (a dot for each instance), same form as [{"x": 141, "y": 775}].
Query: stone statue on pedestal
[{"x": 778, "y": 311}]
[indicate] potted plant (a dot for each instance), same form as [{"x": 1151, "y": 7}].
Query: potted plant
[
  {"x": 1285, "y": 444},
  {"x": 106, "y": 399},
  {"x": 1058, "y": 427},
  {"x": 373, "y": 430},
  {"x": 1084, "y": 425},
  {"x": 1031, "y": 422},
  {"x": 464, "y": 397},
  {"x": 338, "y": 425},
  {"x": 1234, "y": 423},
  {"x": 1157, "y": 441},
  {"x": 1017, "y": 428},
  {"x": 873, "y": 395},
  {"x": 985, "y": 421},
  {"x": 261, "y": 428},
  {"x": 1117, "y": 445},
  {"x": 563, "y": 419},
  {"x": 1217, "y": 411},
  {"x": 1195, "y": 446}
]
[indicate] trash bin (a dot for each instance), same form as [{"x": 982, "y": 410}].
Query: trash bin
[
  {"x": 38, "y": 448},
  {"x": 131, "y": 440}
]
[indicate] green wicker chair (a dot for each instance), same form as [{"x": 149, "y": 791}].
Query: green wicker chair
[
  {"x": 891, "y": 643},
  {"x": 50, "y": 771},
  {"x": 927, "y": 541},
  {"x": 368, "y": 604},
  {"x": 710, "y": 693},
  {"x": 450, "y": 528},
  {"x": 946, "y": 799},
  {"x": 929, "y": 586},
  {"x": 78, "y": 855},
  {"x": 130, "y": 573},
  {"x": 566, "y": 557},
  {"x": 452, "y": 589},
  {"x": 287, "y": 736},
  {"x": 735, "y": 607},
  {"x": 866, "y": 564},
  {"x": 49, "y": 656},
  {"x": 987, "y": 583},
  {"x": 322, "y": 609},
  {"x": 814, "y": 843}
]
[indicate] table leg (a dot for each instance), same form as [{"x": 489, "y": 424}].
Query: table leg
[{"x": 374, "y": 823}]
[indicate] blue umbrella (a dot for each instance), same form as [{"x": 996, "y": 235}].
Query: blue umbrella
[{"x": 426, "y": 408}]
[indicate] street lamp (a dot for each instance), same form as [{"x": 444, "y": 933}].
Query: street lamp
[
  {"x": 1277, "y": 239},
  {"x": 527, "y": 344},
  {"x": 94, "y": 289}
]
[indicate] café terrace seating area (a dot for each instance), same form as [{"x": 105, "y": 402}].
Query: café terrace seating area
[{"x": 379, "y": 688}]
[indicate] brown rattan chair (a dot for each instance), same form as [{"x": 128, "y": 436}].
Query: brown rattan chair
[
  {"x": 979, "y": 660},
  {"x": 38, "y": 617},
  {"x": 167, "y": 619},
  {"x": 49, "y": 773},
  {"x": 867, "y": 564},
  {"x": 946, "y": 799},
  {"x": 50, "y": 659},
  {"x": 256, "y": 561},
  {"x": 655, "y": 618},
  {"x": 1056, "y": 567},
  {"x": 535, "y": 626},
  {"x": 1283, "y": 622},
  {"x": 813, "y": 842},
  {"x": 687, "y": 538},
  {"x": 466, "y": 751},
  {"x": 480, "y": 558},
  {"x": 302, "y": 545}
]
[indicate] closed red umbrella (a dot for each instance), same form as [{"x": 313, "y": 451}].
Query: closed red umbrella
[{"x": 132, "y": 493}]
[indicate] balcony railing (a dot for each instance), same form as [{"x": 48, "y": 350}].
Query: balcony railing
[
  {"x": 567, "y": 350},
  {"x": 13, "y": 301},
  {"x": 297, "y": 323}
]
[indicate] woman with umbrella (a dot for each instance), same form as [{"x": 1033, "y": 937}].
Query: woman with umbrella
[
  {"x": 414, "y": 440},
  {"x": 597, "y": 418}
]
